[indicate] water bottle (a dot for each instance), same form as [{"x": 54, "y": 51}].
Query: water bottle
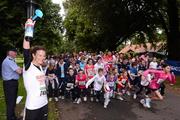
[{"x": 29, "y": 30}]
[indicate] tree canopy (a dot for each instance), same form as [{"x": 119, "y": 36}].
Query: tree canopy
[
  {"x": 93, "y": 24},
  {"x": 47, "y": 30},
  {"x": 105, "y": 24}
]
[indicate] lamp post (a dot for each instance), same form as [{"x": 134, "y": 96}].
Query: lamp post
[{"x": 31, "y": 6}]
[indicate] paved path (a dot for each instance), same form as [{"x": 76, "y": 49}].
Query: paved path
[{"x": 169, "y": 109}]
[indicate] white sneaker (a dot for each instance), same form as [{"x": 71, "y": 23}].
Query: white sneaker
[
  {"x": 62, "y": 97},
  {"x": 142, "y": 101},
  {"x": 75, "y": 101},
  {"x": 91, "y": 92},
  {"x": 50, "y": 99},
  {"x": 79, "y": 100},
  {"x": 105, "y": 106},
  {"x": 97, "y": 100},
  {"x": 120, "y": 98},
  {"x": 123, "y": 91},
  {"x": 148, "y": 100},
  {"x": 114, "y": 96},
  {"x": 56, "y": 99},
  {"x": 134, "y": 96},
  {"x": 85, "y": 99},
  {"x": 92, "y": 99},
  {"x": 128, "y": 93}
]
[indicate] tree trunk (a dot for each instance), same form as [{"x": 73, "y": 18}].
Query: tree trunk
[{"x": 173, "y": 37}]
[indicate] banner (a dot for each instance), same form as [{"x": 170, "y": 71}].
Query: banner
[{"x": 175, "y": 66}]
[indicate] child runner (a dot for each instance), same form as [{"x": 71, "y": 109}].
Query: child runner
[
  {"x": 99, "y": 80},
  {"x": 122, "y": 84},
  {"x": 81, "y": 86},
  {"x": 111, "y": 81},
  {"x": 90, "y": 72},
  {"x": 70, "y": 86}
]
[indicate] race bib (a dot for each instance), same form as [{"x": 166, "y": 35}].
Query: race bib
[
  {"x": 160, "y": 81},
  {"x": 43, "y": 90},
  {"x": 82, "y": 83},
  {"x": 90, "y": 72},
  {"x": 123, "y": 81},
  {"x": 70, "y": 85},
  {"x": 111, "y": 84}
]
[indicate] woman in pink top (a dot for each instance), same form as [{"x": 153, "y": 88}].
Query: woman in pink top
[{"x": 159, "y": 76}]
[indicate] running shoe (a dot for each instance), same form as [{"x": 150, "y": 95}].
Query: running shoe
[
  {"x": 105, "y": 106},
  {"x": 120, "y": 98},
  {"x": 148, "y": 101},
  {"x": 50, "y": 99},
  {"x": 75, "y": 101},
  {"x": 79, "y": 100},
  {"x": 97, "y": 100},
  {"x": 92, "y": 99},
  {"x": 62, "y": 97},
  {"x": 128, "y": 93},
  {"x": 134, "y": 96},
  {"x": 56, "y": 99},
  {"x": 142, "y": 101},
  {"x": 85, "y": 99}
]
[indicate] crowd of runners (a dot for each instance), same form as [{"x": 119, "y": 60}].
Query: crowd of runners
[{"x": 101, "y": 77}]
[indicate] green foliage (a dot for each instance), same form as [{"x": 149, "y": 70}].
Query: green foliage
[{"x": 104, "y": 24}]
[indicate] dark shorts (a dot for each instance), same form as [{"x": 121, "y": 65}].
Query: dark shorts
[
  {"x": 38, "y": 114},
  {"x": 154, "y": 89}
]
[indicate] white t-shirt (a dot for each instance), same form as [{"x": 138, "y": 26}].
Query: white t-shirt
[
  {"x": 34, "y": 82},
  {"x": 99, "y": 81},
  {"x": 153, "y": 65},
  {"x": 97, "y": 66}
]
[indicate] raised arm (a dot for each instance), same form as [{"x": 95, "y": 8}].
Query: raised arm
[
  {"x": 90, "y": 81},
  {"x": 26, "y": 51},
  {"x": 26, "y": 44}
]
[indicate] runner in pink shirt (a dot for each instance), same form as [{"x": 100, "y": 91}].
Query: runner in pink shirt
[{"x": 159, "y": 76}]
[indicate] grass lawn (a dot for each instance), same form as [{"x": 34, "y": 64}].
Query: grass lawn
[
  {"x": 53, "y": 110},
  {"x": 177, "y": 85}
]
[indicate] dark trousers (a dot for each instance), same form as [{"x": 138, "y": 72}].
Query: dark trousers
[
  {"x": 10, "y": 92},
  {"x": 141, "y": 89},
  {"x": 162, "y": 89},
  {"x": 38, "y": 114},
  {"x": 62, "y": 86},
  {"x": 53, "y": 92},
  {"x": 97, "y": 94},
  {"x": 81, "y": 92},
  {"x": 72, "y": 93}
]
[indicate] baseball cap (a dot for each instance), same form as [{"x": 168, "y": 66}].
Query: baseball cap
[{"x": 12, "y": 49}]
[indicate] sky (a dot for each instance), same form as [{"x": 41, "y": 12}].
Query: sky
[
  {"x": 56, "y": 1},
  {"x": 62, "y": 11}
]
